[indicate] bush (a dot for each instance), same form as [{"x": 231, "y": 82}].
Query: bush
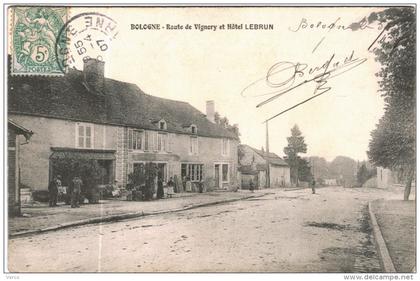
[{"x": 143, "y": 179}]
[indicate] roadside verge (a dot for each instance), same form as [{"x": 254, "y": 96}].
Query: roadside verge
[{"x": 384, "y": 257}]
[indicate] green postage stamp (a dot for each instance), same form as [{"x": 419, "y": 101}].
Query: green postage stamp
[{"x": 34, "y": 31}]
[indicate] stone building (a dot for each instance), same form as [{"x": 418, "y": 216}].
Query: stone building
[
  {"x": 84, "y": 115},
  {"x": 253, "y": 165}
]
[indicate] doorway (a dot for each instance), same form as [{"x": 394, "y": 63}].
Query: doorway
[
  {"x": 105, "y": 171},
  {"x": 162, "y": 171}
]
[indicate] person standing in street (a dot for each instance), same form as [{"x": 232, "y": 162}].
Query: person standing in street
[
  {"x": 251, "y": 185},
  {"x": 53, "y": 190},
  {"x": 188, "y": 185},
  {"x": 75, "y": 191},
  {"x": 170, "y": 185},
  {"x": 201, "y": 186},
  {"x": 313, "y": 185},
  {"x": 160, "y": 193},
  {"x": 184, "y": 183},
  {"x": 176, "y": 185}
]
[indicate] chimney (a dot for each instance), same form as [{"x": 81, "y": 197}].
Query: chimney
[
  {"x": 210, "y": 110},
  {"x": 93, "y": 72}
]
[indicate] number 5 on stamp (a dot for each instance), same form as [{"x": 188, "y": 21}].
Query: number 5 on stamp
[{"x": 34, "y": 32}]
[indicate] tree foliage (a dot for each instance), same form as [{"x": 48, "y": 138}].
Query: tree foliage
[
  {"x": 393, "y": 142},
  {"x": 364, "y": 174},
  {"x": 143, "y": 178},
  {"x": 320, "y": 168},
  {"x": 224, "y": 122},
  {"x": 304, "y": 170},
  {"x": 296, "y": 144},
  {"x": 344, "y": 169}
]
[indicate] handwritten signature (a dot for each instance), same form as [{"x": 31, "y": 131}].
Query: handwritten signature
[{"x": 283, "y": 77}]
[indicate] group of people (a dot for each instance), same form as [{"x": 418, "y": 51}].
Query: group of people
[
  {"x": 188, "y": 186},
  {"x": 173, "y": 186},
  {"x": 74, "y": 190},
  {"x": 161, "y": 191}
]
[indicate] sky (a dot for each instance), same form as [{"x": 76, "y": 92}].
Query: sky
[{"x": 230, "y": 67}]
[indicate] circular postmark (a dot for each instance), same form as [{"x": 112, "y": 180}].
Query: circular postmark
[
  {"x": 34, "y": 38},
  {"x": 85, "y": 36}
]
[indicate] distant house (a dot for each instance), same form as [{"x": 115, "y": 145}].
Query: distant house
[
  {"x": 16, "y": 136},
  {"x": 83, "y": 115},
  {"x": 253, "y": 165},
  {"x": 330, "y": 182}
]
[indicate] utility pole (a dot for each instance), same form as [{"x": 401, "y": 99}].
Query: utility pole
[{"x": 267, "y": 151}]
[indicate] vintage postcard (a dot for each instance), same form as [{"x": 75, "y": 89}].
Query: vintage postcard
[{"x": 211, "y": 139}]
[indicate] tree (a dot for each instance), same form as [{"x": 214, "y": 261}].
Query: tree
[
  {"x": 393, "y": 141},
  {"x": 234, "y": 129},
  {"x": 224, "y": 122},
  {"x": 344, "y": 169},
  {"x": 217, "y": 117},
  {"x": 143, "y": 178},
  {"x": 296, "y": 144},
  {"x": 362, "y": 175},
  {"x": 304, "y": 170},
  {"x": 241, "y": 154},
  {"x": 320, "y": 168}
]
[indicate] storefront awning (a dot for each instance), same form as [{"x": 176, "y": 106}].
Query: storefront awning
[{"x": 86, "y": 154}]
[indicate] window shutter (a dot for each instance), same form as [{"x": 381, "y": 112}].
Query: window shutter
[
  {"x": 130, "y": 139},
  {"x": 151, "y": 144},
  {"x": 146, "y": 141},
  {"x": 170, "y": 137},
  {"x": 155, "y": 140},
  {"x": 196, "y": 146},
  {"x": 228, "y": 147},
  {"x": 221, "y": 146}
]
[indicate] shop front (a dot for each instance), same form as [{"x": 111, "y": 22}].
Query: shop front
[{"x": 95, "y": 167}]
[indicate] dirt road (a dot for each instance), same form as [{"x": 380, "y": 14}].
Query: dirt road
[{"x": 288, "y": 231}]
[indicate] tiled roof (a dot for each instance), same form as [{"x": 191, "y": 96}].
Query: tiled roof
[
  {"x": 273, "y": 158},
  {"x": 120, "y": 103},
  {"x": 247, "y": 169},
  {"x": 20, "y": 129}
]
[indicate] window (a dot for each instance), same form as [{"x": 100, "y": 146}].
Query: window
[
  {"x": 193, "y": 146},
  {"x": 162, "y": 141},
  {"x": 138, "y": 166},
  {"x": 135, "y": 139},
  {"x": 84, "y": 135},
  {"x": 150, "y": 141},
  {"x": 193, "y": 129},
  {"x": 225, "y": 172},
  {"x": 225, "y": 147},
  {"x": 162, "y": 125},
  {"x": 193, "y": 171}
]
